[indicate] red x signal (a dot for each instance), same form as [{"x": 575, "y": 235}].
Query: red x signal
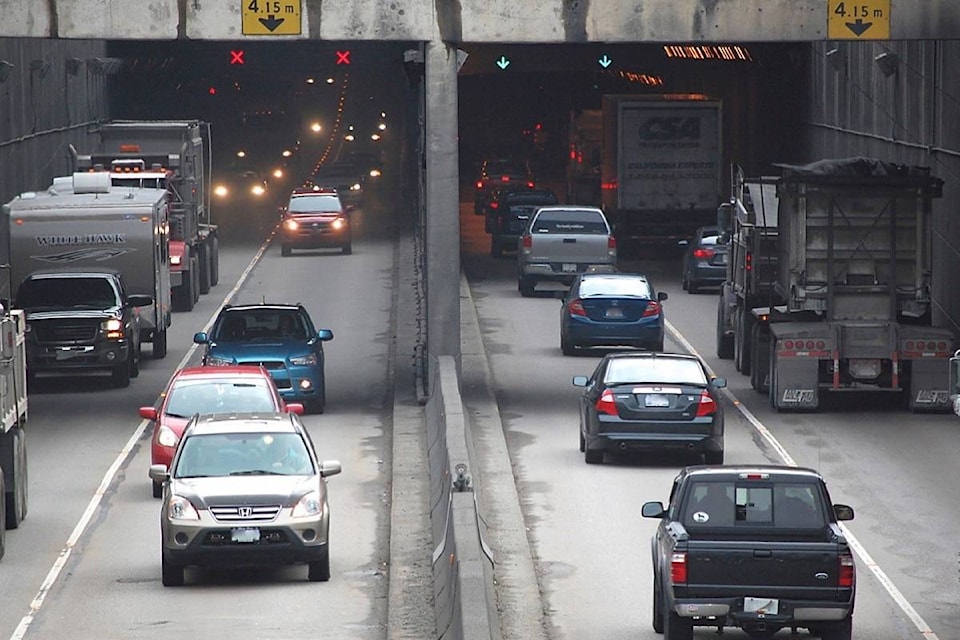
[
  {"x": 343, "y": 57},
  {"x": 236, "y": 57}
]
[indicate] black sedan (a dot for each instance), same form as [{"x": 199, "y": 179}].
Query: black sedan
[
  {"x": 705, "y": 260},
  {"x": 636, "y": 401}
]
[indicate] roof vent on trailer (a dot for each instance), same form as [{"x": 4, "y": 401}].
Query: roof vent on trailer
[{"x": 96, "y": 182}]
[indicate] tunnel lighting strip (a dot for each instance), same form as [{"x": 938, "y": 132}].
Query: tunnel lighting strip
[{"x": 858, "y": 548}]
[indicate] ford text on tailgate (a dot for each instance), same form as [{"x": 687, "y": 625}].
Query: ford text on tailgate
[
  {"x": 562, "y": 241},
  {"x": 756, "y": 547}
]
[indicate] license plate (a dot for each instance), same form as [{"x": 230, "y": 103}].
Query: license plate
[
  {"x": 569, "y": 267},
  {"x": 767, "y": 606},
  {"x": 656, "y": 400},
  {"x": 613, "y": 313},
  {"x": 245, "y": 535}
]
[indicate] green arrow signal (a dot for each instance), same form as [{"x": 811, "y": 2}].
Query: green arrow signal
[
  {"x": 503, "y": 63},
  {"x": 605, "y": 61}
]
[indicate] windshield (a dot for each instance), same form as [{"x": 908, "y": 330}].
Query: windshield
[
  {"x": 269, "y": 324},
  {"x": 615, "y": 286},
  {"x": 315, "y": 204},
  {"x": 189, "y": 397},
  {"x": 57, "y": 293},
  {"x": 237, "y": 454},
  {"x": 655, "y": 369}
]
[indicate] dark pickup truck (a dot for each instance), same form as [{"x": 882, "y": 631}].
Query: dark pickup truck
[{"x": 755, "y": 547}]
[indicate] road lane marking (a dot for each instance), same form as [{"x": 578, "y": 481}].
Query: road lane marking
[
  {"x": 111, "y": 473},
  {"x": 858, "y": 548}
]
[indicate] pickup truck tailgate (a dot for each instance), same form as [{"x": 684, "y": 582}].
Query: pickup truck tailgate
[
  {"x": 803, "y": 570},
  {"x": 569, "y": 248}
]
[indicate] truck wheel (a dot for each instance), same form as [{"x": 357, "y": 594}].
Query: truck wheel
[
  {"x": 840, "y": 631},
  {"x": 195, "y": 272},
  {"x": 135, "y": 362},
  {"x": 758, "y": 364},
  {"x": 204, "y": 270},
  {"x": 773, "y": 388},
  {"x": 526, "y": 285},
  {"x": 214, "y": 261},
  {"x": 724, "y": 342},
  {"x": 657, "y": 606},
  {"x": 15, "y": 500},
  {"x": 159, "y": 344},
  {"x": 171, "y": 574},
  {"x": 121, "y": 375},
  {"x": 3, "y": 517},
  {"x": 677, "y": 628},
  {"x": 496, "y": 249},
  {"x": 741, "y": 341}
]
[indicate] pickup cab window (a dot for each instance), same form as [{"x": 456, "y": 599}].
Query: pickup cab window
[
  {"x": 729, "y": 504},
  {"x": 570, "y": 222}
]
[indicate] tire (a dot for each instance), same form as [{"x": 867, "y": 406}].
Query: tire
[
  {"x": 157, "y": 489},
  {"x": 593, "y": 457},
  {"x": 683, "y": 281},
  {"x": 496, "y": 249},
  {"x": 758, "y": 369},
  {"x": 317, "y": 405},
  {"x": 774, "y": 387},
  {"x": 121, "y": 375},
  {"x": 185, "y": 296},
  {"x": 693, "y": 288},
  {"x": 657, "y": 606},
  {"x": 567, "y": 348},
  {"x": 286, "y": 251},
  {"x": 677, "y": 628},
  {"x": 346, "y": 249},
  {"x": 319, "y": 571},
  {"x": 713, "y": 458},
  {"x": 204, "y": 271},
  {"x": 724, "y": 342},
  {"x": 526, "y": 286},
  {"x": 171, "y": 574},
  {"x": 583, "y": 443},
  {"x": 15, "y": 501},
  {"x": 135, "y": 363},
  {"x": 214, "y": 242},
  {"x": 741, "y": 342},
  {"x": 840, "y": 631},
  {"x": 3, "y": 517},
  {"x": 195, "y": 272},
  {"x": 159, "y": 344}
]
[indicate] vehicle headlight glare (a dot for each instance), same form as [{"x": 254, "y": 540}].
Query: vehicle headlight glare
[
  {"x": 219, "y": 361},
  {"x": 291, "y": 224},
  {"x": 167, "y": 438}
]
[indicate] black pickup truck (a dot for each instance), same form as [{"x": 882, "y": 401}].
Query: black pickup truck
[{"x": 755, "y": 547}]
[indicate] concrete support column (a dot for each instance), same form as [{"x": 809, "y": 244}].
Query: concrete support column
[{"x": 442, "y": 202}]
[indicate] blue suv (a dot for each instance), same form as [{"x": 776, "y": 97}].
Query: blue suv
[{"x": 281, "y": 338}]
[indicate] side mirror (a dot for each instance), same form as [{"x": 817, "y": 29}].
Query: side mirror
[
  {"x": 683, "y": 243},
  {"x": 579, "y": 381},
  {"x": 662, "y": 296},
  {"x": 295, "y": 407},
  {"x": 330, "y": 468},
  {"x": 201, "y": 337},
  {"x": 725, "y": 215},
  {"x": 954, "y": 387},
  {"x": 325, "y": 334},
  {"x": 139, "y": 300},
  {"x": 159, "y": 473},
  {"x": 718, "y": 383},
  {"x": 148, "y": 413},
  {"x": 652, "y": 510},
  {"x": 843, "y": 512}
]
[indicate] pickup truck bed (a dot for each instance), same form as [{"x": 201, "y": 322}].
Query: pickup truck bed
[
  {"x": 562, "y": 241},
  {"x": 755, "y": 547}
]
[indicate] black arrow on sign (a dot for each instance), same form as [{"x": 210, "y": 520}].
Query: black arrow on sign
[
  {"x": 859, "y": 27},
  {"x": 271, "y": 22}
]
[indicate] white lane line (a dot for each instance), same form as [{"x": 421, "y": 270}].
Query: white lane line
[
  {"x": 858, "y": 548},
  {"x": 111, "y": 473}
]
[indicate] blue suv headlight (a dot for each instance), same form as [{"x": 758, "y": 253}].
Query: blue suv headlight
[
  {"x": 309, "y": 360},
  {"x": 219, "y": 361}
]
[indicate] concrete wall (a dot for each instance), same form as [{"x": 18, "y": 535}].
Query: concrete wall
[
  {"x": 555, "y": 21},
  {"x": 46, "y": 103}
]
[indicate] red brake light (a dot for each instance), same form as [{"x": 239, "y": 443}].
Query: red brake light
[
  {"x": 527, "y": 241},
  {"x": 611, "y": 242},
  {"x": 847, "y": 574},
  {"x": 494, "y": 205},
  {"x": 530, "y": 184},
  {"x": 576, "y": 308},
  {"x": 606, "y": 404},
  {"x": 707, "y": 406},
  {"x": 749, "y": 261},
  {"x": 703, "y": 253},
  {"x": 504, "y": 178},
  {"x": 653, "y": 309},
  {"x": 479, "y": 184},
  {"x": 678, "y": 568}
]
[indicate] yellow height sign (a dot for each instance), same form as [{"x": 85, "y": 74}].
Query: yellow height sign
[
  {"x": 270, "y": 17},
  {"x": 863, "y": 20}
]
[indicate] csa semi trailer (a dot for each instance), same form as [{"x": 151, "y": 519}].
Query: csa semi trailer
[
  {"x": 851, "y": 289},
  {"x": 179, "y": 152}
]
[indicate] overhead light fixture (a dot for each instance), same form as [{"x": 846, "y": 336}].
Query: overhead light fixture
[
  {"x": 5, "y": 69},
  {"x": 888, "y": 63},
  {"x": 836, "y": 58}
]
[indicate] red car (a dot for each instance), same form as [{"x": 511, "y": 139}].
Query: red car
[{"x": 195, "y": 390}]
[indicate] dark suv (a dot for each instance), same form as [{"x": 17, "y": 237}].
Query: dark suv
[
  {"x": 315, "y": 218},
  {"x": 279, "y": 337},
  {"x": 499, "y": 173},
  {"x": 508, "y": 212}
]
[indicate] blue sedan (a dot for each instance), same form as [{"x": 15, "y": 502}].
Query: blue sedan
[
  {"x": 279, "y": 337},
  {"x": 612, "y": 310}
]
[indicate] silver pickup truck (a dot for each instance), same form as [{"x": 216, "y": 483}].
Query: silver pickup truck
[{"x": 562, "y": 241}]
